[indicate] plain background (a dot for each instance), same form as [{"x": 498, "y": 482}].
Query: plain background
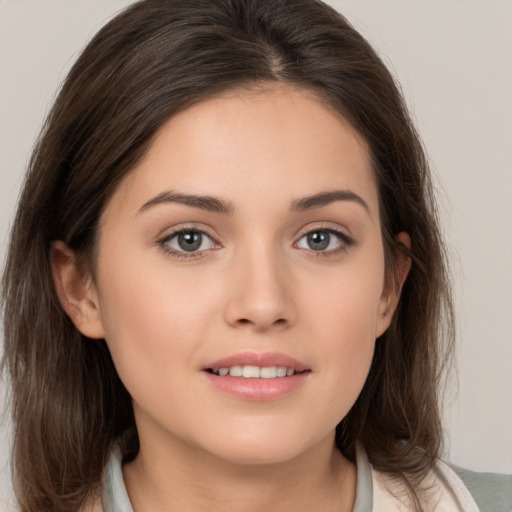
[{"x": 453, "y": 59}]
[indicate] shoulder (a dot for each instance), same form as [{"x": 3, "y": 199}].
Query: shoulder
[
  {"x": 448, "y": 488},
  {"x": 492, "y": 492}
]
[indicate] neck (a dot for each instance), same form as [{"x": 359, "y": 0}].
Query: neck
[{"x": 181, "y": 477}]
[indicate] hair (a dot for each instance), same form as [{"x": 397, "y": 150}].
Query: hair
[{"x": 156, "y": 58}]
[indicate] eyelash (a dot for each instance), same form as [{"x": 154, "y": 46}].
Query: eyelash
[
  {"x": 163, "y": 243},
  {"x": 345, "y": 242}
]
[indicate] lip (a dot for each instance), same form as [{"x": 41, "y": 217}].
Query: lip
[
  {"x": 258, "y": 390},
  {"x": 258, "y": 359}
]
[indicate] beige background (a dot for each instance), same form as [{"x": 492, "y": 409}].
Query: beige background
[{"x": 454, "y": 61}]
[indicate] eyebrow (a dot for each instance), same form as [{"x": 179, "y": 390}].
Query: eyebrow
[
  {"x": 208, "y": 203},
  {"x": 325, "y": 198},
  {"x": 216, "y": 205}
]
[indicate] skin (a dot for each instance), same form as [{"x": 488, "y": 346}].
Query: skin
[{"x": 256, "y": 284}]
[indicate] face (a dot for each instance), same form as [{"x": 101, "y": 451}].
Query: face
[{"x": 240, "y": 281}]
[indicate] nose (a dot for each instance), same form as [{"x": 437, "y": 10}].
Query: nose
[{"x": 260, "y": 292}]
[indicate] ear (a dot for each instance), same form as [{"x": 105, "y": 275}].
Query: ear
[
  {"x": 393, "y": 284},
  {"x": 76, "y": 291}
]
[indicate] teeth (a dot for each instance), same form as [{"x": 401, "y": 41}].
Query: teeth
[
  {"x": 281, "y": 372},
  {"x": 268, "y": 373},
  {"x": 255, "y": 372},
  {"x": 250, "y": 372},
  {"x": 236, "y": 371}
]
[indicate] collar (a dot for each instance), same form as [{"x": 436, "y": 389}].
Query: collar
[{"x": 375, "y": 491}]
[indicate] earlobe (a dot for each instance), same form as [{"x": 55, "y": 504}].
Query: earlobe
[
  {"x": 75, "y": 290},
  {"x": 394, "y": 283}
]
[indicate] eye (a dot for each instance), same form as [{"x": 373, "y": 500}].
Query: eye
[
  {"x": 323, "y": 240},
  {"x": 188, "y": 241}
]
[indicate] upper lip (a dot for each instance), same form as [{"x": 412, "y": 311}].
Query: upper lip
[{"x": 265, "y": 359}]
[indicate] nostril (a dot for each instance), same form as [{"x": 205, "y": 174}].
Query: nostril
[{"x": 245, "y": 321}]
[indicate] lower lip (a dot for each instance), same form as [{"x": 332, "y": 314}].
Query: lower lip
[{"x": 258, "y": 390}]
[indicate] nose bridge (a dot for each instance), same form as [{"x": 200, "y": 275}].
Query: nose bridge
[{"x": 260, "y": 288}]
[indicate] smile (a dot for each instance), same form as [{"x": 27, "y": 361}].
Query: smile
[
  {"x": 255, "y": 372},
  {"x": 257, "y": 376}
]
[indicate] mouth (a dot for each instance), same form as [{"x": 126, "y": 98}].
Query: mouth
[
  {"x": 255, "y": 365},
  {"x": 255, "y": 372},
  {"x": 254, "y": 376}
]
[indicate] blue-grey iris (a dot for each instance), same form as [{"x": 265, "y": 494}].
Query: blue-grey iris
[
  {"x": 319, "y": 240},
  {"x": 190, "y": 240}
]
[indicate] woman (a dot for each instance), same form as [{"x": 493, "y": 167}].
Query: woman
[{"x": 226, "y": 280}]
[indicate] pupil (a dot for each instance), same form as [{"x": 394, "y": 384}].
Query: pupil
[
  {"x": 319, "y": 240},
  {"x": 190, "y": 241}
]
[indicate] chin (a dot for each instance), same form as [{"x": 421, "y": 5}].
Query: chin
[
  {"x": 249, "y": 456},
  {"x": 256, "y": 448}
]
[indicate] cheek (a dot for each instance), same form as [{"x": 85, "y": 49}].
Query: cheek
[
  {"x": 345, "y": 315},
  {"x": 346, "y": 302},
  {"x": 347, "y": 350},
  {"x": 152, "y": 320}
]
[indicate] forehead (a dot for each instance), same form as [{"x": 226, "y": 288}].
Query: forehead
[{"x": 274, "y": 142}]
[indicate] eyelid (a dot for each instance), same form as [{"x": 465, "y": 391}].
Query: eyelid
[
  {"x": 346, "y": 240},
  {"x": 170, "y": 233},
  {"x": 200, "y": 227},
  {"x": 326, "y": 226}
]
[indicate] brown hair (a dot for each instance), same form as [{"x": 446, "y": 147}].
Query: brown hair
[{"x": 154, "y": 59}]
